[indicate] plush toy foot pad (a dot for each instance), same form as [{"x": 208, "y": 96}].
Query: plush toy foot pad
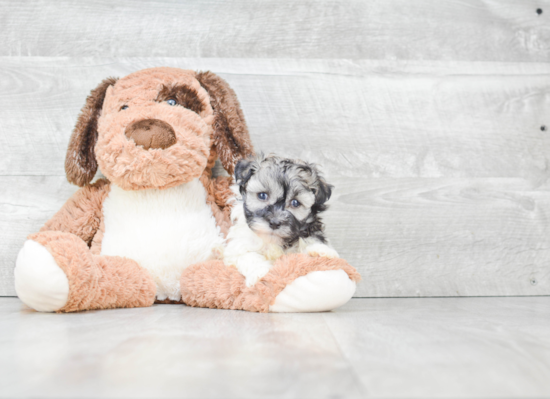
[
  {"x": 317, "y": 291},
  {"x": 39, "y": 281}
]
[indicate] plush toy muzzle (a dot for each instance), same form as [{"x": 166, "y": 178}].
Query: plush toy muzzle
[{"x": 151, "y": 133}]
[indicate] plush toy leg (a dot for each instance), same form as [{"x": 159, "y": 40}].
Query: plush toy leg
[
  {"x": 55, "y": 272},
  {"x": 297, "y": 283},
  {"x": 317, "y": 291}
]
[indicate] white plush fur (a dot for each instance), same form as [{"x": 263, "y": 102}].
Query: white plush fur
[
  {"x": 252, "y": 254},
  {"x": 315, "y": 292},
  {"x": 39, "y": 281},
  {"x": 165, "y": 231}
]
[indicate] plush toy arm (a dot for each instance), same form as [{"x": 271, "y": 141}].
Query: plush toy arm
[
  {"x": 218, "y": 195},
  {"x": 81, "y": 214},
  {"x": 222, "y": 189}
]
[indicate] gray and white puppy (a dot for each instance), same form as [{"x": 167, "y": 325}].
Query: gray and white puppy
[
  {"x": 282, "y": 198},
  {"x": 277, "y": 211}
]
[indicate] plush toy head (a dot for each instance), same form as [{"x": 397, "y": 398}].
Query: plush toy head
[{"x": 157, "y": 128}]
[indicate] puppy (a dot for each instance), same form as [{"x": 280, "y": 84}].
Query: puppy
[{"x": 276, "y": 211}]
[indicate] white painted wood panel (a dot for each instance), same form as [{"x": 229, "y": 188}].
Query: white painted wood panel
[
  {"x": 357, "y": 118},
  {"x": 407, "y": 237},
  {"x": 467, "y": 30},
  {"x": 440, "y": 168},
  {"x": 425, "y": 115},
  {"x": 443, "y": 236}
]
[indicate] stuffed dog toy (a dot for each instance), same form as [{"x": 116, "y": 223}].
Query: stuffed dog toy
[{"x": 147, "y": 231}]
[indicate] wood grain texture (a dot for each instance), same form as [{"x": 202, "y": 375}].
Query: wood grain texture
[
  {"x": 425, "y": 116},
  {"x": 441, "y": 169},
  {"x": 447, "y": 347},
  {"x": 407, "y": 237},
  {"x": 443, "y": 236},
  {"x": 369, "y": 348},
  {"x": 358, "y": 119},
  {"x": 170, "y": 351},
  {"x": 467, "y": 30}
]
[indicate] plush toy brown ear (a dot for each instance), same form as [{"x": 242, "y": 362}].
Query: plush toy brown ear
[
  {"x": 230, "y": 136},
  {"x": 80, "y": 162}
]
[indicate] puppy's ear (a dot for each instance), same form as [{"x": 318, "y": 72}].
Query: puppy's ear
[
  {"x": 244, "y": 170},
  {"x": 321, "y": 188},
  {"x": 80, "y": 162},
  {"x": 230, "y": 137},
  {"x": 323, "y": 192}
]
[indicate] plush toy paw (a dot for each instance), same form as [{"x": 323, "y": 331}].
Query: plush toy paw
[
  {"x": 318, "y": 291},
  {"x": 323, "y": 250},
  {"x": 39, "y": 282},
  {"x": 55, "y": 272}
]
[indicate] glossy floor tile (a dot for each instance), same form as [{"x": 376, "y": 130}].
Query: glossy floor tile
[{"x": 380, "y": 348}]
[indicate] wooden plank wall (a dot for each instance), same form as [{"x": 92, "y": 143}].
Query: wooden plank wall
[{"x": 427, "y": 116}]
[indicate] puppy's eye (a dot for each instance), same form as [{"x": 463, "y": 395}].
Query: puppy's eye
[
  {"x": 171, "y": 102},
  {"x": 262, "y": 196},
  {"x": 295, "y": 203},
  {"x": 123, "y": 107}
]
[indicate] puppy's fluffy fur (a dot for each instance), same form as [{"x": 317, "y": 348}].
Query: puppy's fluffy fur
[{"x": 278, "y": 202}]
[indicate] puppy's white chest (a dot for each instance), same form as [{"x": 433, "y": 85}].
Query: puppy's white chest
[{"x": 163, "y": 230}]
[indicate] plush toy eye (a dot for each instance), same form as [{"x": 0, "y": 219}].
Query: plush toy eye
[
  {"x": 262, "y": 196},
  {"x": 295, "y": 203},
  {"x": 171, "y": 102},
  {"x": 123, "y": 107}
]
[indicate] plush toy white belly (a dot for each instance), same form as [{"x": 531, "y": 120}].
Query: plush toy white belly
[{"x": 163, "y": 230}]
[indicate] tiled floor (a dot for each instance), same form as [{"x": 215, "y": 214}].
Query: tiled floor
[{"x": 381, "y": 348}]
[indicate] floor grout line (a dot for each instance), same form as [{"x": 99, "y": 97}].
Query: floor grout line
[{"x": 362, "y": 388}]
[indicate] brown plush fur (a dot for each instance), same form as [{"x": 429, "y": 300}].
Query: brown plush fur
[
  {"x": 213, "y": 285},
  {"x": 80, "y": 163},
  {"x": 132, "y": 167},
  {"x": 230, "y": 130},
  {"x": 184, "y": 95},
  {"x": 81, "y": 215},
  {"x": 218, "y": 193},
  {"x": 95, "y": 247},
  {"x": 97, "y": 282}
]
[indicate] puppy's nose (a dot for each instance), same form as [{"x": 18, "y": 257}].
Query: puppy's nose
[
  {"x": 274, "y": 224},
  {"x": 151, "y": 133}
]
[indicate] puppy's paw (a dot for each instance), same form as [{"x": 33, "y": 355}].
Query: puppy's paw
[
  {"x": 217, "y": 252},
  {"x": 253, "y": 276},
  {"x": 323, "y": 250},
  {"x": 253, "y": 267}
]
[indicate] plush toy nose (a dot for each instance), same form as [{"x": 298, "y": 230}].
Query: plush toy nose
[{"x": 151, "y": 133}]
